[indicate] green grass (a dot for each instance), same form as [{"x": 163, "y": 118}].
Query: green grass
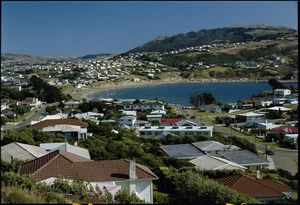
[{"x": 296, "y": 159}]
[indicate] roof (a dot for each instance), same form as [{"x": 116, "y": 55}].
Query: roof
[
  {"x": 208, "y": 162},
  {"x": 170, "y": 120},
  {"x": 185, "y": 122},
  {"x": 256, "y": 188},
  {"x": 286, "y": 129},
  {"x": 244, "y": 157},
  {"x": 52, "y": 122},
  {"x": 213, "y": 145},
  {"x": 279, "y": 108},
  {"x": 21, "y": 151},
  {"x": 66, "y": 147},
  {"x": 69, "y": 165},
  {"x": 211, "y": 106},
  {"x": 182, "y": 151}
]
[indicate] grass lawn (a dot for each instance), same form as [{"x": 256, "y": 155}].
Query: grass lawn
[{"x": 296, "y": 159}]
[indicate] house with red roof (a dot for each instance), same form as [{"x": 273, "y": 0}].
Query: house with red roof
[
  {"x": 260, "y": 189},
  {"x": 71, "y": 128},
  {"x": 124, "y": 173},
  {"x": 286, "y": 129},
  {"x": 31, "y": 101},
  {"x": 169, "y": 121}
]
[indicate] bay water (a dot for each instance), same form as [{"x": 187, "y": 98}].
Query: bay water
[{"x": 179, "y": 93}]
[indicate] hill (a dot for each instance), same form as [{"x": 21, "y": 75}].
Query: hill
[{"x": 236, "y": 33}]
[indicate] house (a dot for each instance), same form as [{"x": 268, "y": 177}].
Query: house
[
  {"x": 245, "y": 104},
  {"x": 31, "y": 101},
  {"x": 286, "y": 129},
  {"x": 277, "y": 109},
  {"x": 72, "y": 129},
  {"x": 181, "y": 131},
  {"x": 246, "y": 158},
  {"x": 169, "y": 121},
  {"x": 128, "y": 112},
  {"x": 182, "y": 151},
  {"x": 279, "y": 101},
  {"x": 71, "y": 103},
  {"x": 127, "y": 120},
  {"x": 159, "y": 112},
  {"x": 4, "y": 104},
  {"x": 185, "y": 123},
  {"x": 143, "y": 106},
  {"x": 212, "y": 108},
  {"x": 261, "y": 123},
  {"x": 291, "y": 100},
  {"x": 260, "y": 189},
  {"x": 88, "y": 115},
  {"x": 154, "y": 117},
  {"x": 21, "y": 151},
  {"x": 208, "y": 162},
  {"x": 10, "y": 114},
  {"x": 281, "y": 92},
  {"x": 125, "y": 173},
  {"x": 264, "y": 102},
  {"x": 66, "y": 147},
  {"x": 214, "y": 147},
  {"x": 247, "y": 116}
]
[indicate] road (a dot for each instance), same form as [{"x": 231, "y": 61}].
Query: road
[
  {"x": 34, "y": 116},
  {"x": 282, "y": 158}
]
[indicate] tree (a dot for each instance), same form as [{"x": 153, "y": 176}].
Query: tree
[
  {"x": 196, "y": 100},
  {"x": 124, "y": 197},
  {"x": 192, "y": 188},
  {"x": 275, "y": 84}
]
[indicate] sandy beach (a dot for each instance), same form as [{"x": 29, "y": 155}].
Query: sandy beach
[{"x": 84, "y": 92}]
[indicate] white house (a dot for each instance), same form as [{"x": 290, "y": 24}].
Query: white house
[
  {"x": 144, "y": 106},
  {"x": 123, "y": 174},
  {"x": 127, "y": 120},
  {"x": 281, "y": 92},
  {"x": 181, "y": 131}
]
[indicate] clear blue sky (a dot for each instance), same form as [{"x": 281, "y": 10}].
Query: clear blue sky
[{"x": 79, "y": 28}]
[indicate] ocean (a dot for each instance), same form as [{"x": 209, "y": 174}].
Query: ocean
[{"x": 178, "y": 94}]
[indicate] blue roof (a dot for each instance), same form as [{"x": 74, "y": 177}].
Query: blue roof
[
  {"x": 244, "y": 157},
  {"x": 182, "y": 151}
]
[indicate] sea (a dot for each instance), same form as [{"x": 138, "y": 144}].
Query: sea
[{"x": 179, "y": 93}]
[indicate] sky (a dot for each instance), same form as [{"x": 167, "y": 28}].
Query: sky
[{"x": 78, "y": 28}]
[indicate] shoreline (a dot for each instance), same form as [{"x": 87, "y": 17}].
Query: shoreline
[{"x": 87, "y": 91}]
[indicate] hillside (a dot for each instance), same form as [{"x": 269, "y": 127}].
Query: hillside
[{"x": 228, "y": 34}]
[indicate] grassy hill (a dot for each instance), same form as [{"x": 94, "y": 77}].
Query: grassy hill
[{"x": 204, "y": 36}]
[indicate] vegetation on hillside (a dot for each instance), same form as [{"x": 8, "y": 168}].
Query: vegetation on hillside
[{"x": 204, "y": 36}]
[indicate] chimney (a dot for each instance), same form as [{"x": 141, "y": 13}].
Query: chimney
[
  {"x": 258, "y": 173},
  {"x": 132, "y": 169}
]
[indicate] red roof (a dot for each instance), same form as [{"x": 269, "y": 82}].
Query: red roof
[
  {"x": 170, "y": 120},
  {"x": 256, "y": 188},
  {"x": 69, "y": 165},
  {"x": 286, "y": 129},
  {"x": 53, "y": 122}
]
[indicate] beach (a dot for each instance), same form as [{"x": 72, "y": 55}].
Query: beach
[{"x": 86, "y": 91}]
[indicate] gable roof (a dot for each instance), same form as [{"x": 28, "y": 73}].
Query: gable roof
[
  {"x": 170, "y": 120},
  {"x": 182, "y": 151},
  {"x": 256, "y": 188},
  {"x": 208, "y": 162},
  {"x": 66, "y": 147},
  {"x": 53, "y": 122},
  {"x": 244, "y": 157},
  {"x": 69, "y": 165},
  {"x": 213, "y": 145},
  {"x": 21, "y": 151},
  {"x": 286, "y": 129},
  {"x": 185, "y": 122}
]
